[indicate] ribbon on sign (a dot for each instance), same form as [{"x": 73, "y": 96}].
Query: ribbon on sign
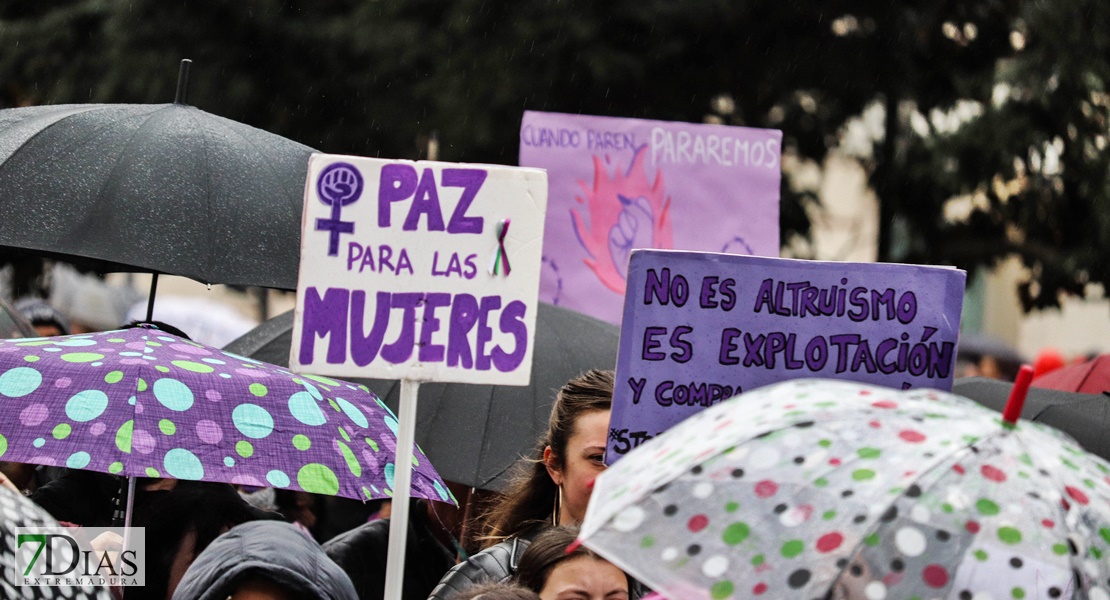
[{"x": 501, "y": 256}]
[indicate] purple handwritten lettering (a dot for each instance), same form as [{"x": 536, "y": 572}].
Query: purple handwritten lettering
[
  {"x": 401, "y": 350},
  {"x": 725, "y": 357},
  {"x": 464, "y": 314},
  {"x": 512, "y": 323},
  {"x": 364, "y": 347},
  {"x": 325, "y": 316},
  {"x": 707, "y": 292},
  {"x": 471, "y": 181},
  {"x": 650, "y": 343},
  {"x": 430, "y": 352},
  {"x": 425, "y": 202},
  {"x": 398, "y": 182},
  {"x": 684, "y": 349},
  {"x": 485, "y": 332}
]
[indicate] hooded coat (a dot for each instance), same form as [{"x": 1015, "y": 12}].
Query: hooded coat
[{"x": 271, "y": 550}]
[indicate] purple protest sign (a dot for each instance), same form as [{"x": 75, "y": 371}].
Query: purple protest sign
[
  {"x": 620, "y": 184},
  {"x": 701, "y": 327}
]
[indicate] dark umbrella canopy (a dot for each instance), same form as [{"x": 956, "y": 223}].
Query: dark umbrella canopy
[
  {"x": 164, "y": 188},
  {"x": 13, "y": 324},
  {"x": 1085, "y": 417},
  {"x": 981, "y": 344},
  {"x": 474, "y": 433}
]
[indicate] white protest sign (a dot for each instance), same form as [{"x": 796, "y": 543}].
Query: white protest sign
[{"x": 425, "y": 271}]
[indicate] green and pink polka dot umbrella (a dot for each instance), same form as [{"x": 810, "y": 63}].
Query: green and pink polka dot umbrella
[
  {"x": 830, "y": 489},
  {"x": 141, "y": 402}
]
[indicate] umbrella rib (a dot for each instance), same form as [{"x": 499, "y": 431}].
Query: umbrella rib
[
  {"x": 963, "y": 450},
  {"x": 485, "y": 433},
  {"x": 100, "y": 193},
  {"x": 110, "y": 180},
  {"x": 269, "y": 164},
  {"x": 445, "y": 397},
  {"x": 203, "y": 136},
  {"x": 486, "y": 481},
  {"x": 498, "y": 474},
  {"x": 1073, "y": 558},
  {"x": 1087, "y": 376},
  {"x": 274, "y": 173},
  {"x": 42, "y": 131}
]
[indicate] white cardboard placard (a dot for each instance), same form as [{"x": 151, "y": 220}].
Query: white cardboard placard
[{"x": 403, "y": 270}]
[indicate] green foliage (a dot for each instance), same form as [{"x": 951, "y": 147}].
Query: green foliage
[
  {"x": 377, "y": 77},
  {"x": 1031, "y": 170}
]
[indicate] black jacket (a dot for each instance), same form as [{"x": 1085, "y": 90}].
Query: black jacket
[
  {"x": 361, "y": 552},
  {"x": 497, "y": 563}
]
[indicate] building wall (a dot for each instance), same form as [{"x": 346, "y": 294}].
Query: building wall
[{"x": 846, "y": 228}]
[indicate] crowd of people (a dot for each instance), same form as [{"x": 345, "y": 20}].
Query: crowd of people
[{"x": 207, "y": 540}]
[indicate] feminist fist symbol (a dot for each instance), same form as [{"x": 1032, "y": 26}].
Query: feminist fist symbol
[
  {"x": 633, "y": 229},
  {"x": 339, "y": 184}
]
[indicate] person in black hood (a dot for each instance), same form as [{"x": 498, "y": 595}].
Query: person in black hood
[
  {"x": 265, "y": 559},
  {"x": 182, "y": 522}
]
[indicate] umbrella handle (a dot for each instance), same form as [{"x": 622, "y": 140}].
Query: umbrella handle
[
  {"x": 1014, "y": 404},
  {"x": 127, "y": 523},
  {"x": 150, "y": 300},
  {"x": 182, "y": 95}
]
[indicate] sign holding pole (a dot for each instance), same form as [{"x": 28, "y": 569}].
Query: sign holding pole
[
  {"x": 402, "y": 484},
  {"x": 417, "y": 271},
  {"x": 701, "y": 327}
]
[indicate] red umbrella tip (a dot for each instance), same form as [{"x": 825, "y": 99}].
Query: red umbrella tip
[
  {"x": 571, "y": 547},
  {"x": 1012, "y": 412}
]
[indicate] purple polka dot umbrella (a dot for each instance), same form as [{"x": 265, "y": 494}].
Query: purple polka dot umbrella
[
  {"x": 141, "y": 402},
  {"x": 830, "y": 489}
]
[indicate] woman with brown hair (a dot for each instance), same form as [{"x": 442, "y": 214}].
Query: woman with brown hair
[
  {"x": 553, "y": 488},
  {"x": 496, "y": 591},
  {"x": 554, "y": 567}
]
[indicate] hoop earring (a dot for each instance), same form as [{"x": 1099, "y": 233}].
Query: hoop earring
[{"x": 558, "y": 505}]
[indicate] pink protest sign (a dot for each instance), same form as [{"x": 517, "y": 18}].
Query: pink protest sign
[
  {"x": 620, "y": 184},
  {"x": 701, "y": 327}
]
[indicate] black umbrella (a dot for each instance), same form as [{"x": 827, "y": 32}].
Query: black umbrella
[
  {"x": 474, "y": 433},
  {"x": 13, "y": 324},
  {"x": 981, "y": 344},
  {"x": 164, "y": 188},
  {"x": 1085, "y": 417}
]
